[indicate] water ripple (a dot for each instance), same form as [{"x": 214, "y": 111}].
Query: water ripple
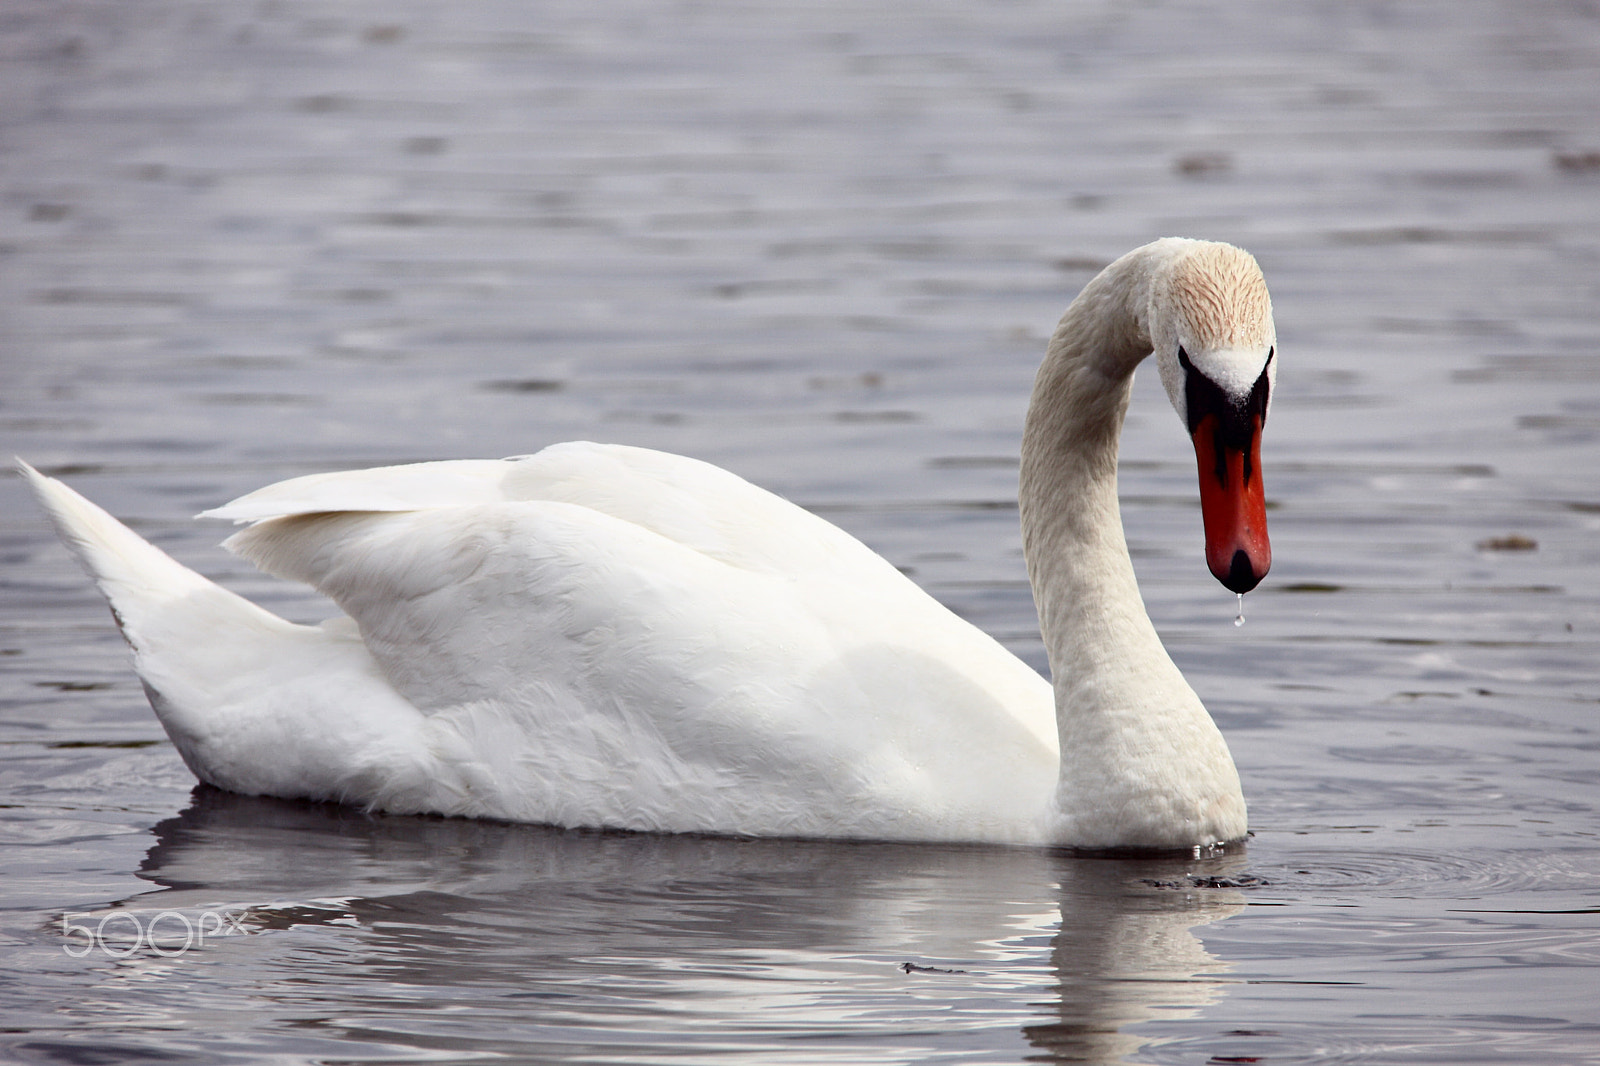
[{"x": 1442, "y": 875}]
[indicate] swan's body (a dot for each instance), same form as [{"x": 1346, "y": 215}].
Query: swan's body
[{"x": 608, "y": 636}]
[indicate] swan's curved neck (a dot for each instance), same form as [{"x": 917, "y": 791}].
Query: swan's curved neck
[
  {"x": 1134, "y": 737},
  {"x": 1083, "y": 581}
]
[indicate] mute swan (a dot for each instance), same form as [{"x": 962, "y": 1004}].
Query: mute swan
[{"x": 607, "y": 636}]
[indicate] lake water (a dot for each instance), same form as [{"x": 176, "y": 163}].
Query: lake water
[{"x": 822, "y": 245}]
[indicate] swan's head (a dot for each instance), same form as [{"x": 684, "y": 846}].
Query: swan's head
[{"x": 1210, "y": 325}]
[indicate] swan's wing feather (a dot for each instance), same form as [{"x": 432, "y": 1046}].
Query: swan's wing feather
[
  {"x": 696, "y": 504},
  {"x": 452, "y": 483},
  {"x": 693, "y": 503},
  {"x": 454, "y": 601},
  {"x": 633, "y": 680},
  {"x": 566, "y": 529},
  {"x": 627, "y": 637}
]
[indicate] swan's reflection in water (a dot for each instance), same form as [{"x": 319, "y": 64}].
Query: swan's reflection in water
[
  {"x": 471, "y": 938},
  {"x": 1125, "y": 952}
]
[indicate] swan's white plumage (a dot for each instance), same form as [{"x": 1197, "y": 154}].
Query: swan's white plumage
[
  {"x": 598, "y": 635},
  {"x": 657, "y": 645}
]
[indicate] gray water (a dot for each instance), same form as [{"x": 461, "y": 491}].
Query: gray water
[{"x": 822, "y": 245}]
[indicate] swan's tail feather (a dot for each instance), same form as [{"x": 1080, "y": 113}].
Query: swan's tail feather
[
  {"x": 133, "y": 574},
  {"x": 252, "y": 702},
  {"x": 191, "y": 639}
]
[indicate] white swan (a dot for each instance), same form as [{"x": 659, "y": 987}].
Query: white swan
[{"x": 608, "y": 636}]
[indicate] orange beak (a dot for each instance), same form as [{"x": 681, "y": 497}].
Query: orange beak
[{"x": 1233, "y": 504}]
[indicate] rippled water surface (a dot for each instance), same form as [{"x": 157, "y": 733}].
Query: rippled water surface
[{"x": 822, "y": 245}]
